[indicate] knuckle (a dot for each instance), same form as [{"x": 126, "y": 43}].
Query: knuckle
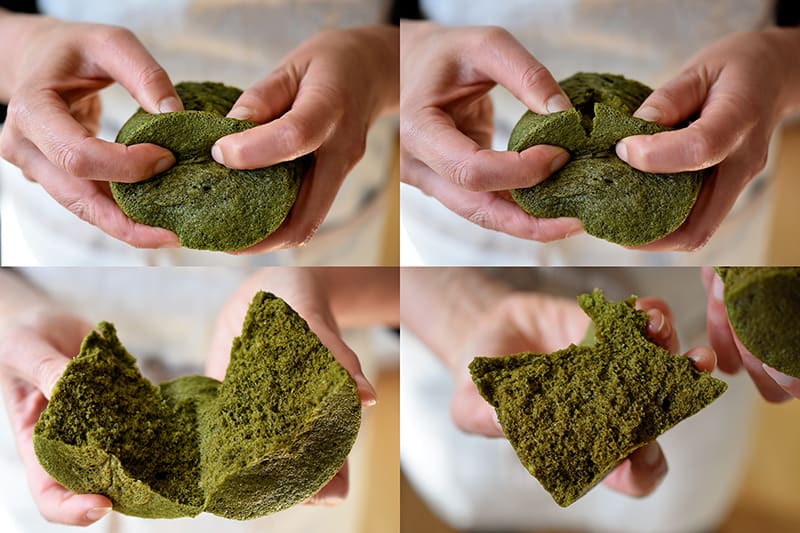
[
  {"x": 481, "y": 217},
  {"x": 81, "y": 208},
  {"x": 703, "y": 151},
  {"x": 460, "y": 173},
  {"x": 535, "y": 75},
  {"x": 73, "y": 159},
  {"x": 304, "y": 233},
  {"x": 493, "y": 34},
  {"x": 151, "y": 75},
  {"x": 297, "y": 134}
]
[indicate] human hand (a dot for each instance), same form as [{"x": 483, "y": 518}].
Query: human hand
[
  {"x": 740, "y": 87},
  {"x": 446, "y": 125},
  {"x": 534, "y": 322},
  {"x": 303, "y": 291},
  {"x": 322, "y": 98},
  {"x": 35, "y": 347},
  {"x": 53, "y": 74},
  {"x": 773, "y": 385}
]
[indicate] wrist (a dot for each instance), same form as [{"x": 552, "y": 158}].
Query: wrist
[
  {"x": 443, "y": 306},
  {"x": 16, "y": 31},
  {"x": 384, "y": 40},
  {"x": 786, "y": 42}
]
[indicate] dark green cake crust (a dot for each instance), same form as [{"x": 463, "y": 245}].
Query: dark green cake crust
[
  {"x": 574, "y": 414},
  {"x": 209, "y": 206},
  {"x": 614, "y": 201},
  {"x": 269, "y": 436},
  {"x": 763, "y": 306}
]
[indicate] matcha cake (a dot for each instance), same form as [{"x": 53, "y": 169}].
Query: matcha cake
[
  {"x": 209, "y": 206},
  {"x": 763, "y": 306},
  {"x": 614, "y": 201},
  {"x": 575, "y": 414},
  {"x": 269, "y": 436}
]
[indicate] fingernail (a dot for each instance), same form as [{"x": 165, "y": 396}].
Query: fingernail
[
  {"x": 370, "y": 396},
  {"x": 779, "y": 377},
  {"x": 497, "y": 421},
  {"x": 657, "y": 320},
  {"x": 648, "y": 113},
  {"x": 557, "y": 103},
  {"x": 559, "y": 161},
  {"x": 651, "y": 455},
  {"x": 718, "y": 289},
  {"x": 216, "y": 153},
  {"x": 169, "y": 105},
  {"x": 240, "y": 113},
  {"x": 97, "y": 513},
  {"x": 622, "y": 151},
  {"x": 163, "y": 164}
]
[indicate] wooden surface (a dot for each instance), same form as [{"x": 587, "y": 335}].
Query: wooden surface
[
  {"x": 390, "y": 253},
  {"x": 382, "y": 505},
  {"x": 784, "y": 247}
]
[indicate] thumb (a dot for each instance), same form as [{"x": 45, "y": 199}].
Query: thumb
[
  {"x": 472, "y": 414},
  {"x": 41, "y": 364}
]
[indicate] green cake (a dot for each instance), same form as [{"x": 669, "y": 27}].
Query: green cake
[
  {"x": 763, "y": 306},
  {"x": 209, "y": 206},
  {"x": 614, "y": 201},
  {"x": 575, "y": 414},
  {"x": 269, "y": 436}
]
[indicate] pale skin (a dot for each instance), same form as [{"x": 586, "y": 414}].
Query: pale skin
[
  {"x": 460, "y": 313},
  {"x": 738, "y": 88},
  {"x": 773, "y": 385},
  {"x": 322, "y": 98},
  {"x": 38, "y": 338}
]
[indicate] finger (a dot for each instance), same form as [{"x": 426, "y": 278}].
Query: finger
[
  {"x": 702, "y": 144},
  {"x": 472, "y": 414},
  {"x": 335, "y": 491},
  {"x": 704, "y": 358},
  {"x": 435, "y": 140},
  {"x": 317, "y": 192},
  {"x": 720, "y": 333},
  {"x": 349, "y": 360},
  {"x": 92, "y": 202},
  {"x": 501, "y": 58},
  {"x": 120, "y": 54},
  {"x": 489, "y": 210},
  {"x": 767, "y": 386},
  {"x": 44, "y": 118},
  {"x": 677, "y": 100},
  {"x": 660, "y": 324},
  {"x": 311, "y": 120},
  {"x": 63, "y": 506},
  {"x": 788, "y": 383},
  {"x": 267, "y": 99},
  {"x": 639, "y": 474}
]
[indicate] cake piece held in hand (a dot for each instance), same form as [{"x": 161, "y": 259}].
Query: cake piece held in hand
[
  {"x": 615, "y": 201},
  {"x": 208, "y": 205},
  {"x": 269, "y": 436},
  {"x": 763, "y": 306},
  {"x": 575, "y": 414}
]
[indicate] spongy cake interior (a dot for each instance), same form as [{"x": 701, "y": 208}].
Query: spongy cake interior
[
  {"x": 574, "y": 414},
  {"x": 183, "y": 447}
]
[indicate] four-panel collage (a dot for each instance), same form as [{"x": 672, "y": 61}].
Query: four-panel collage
[{"x": 384, "y": 266}]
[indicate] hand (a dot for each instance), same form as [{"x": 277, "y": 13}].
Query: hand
[
  {"x": 533, "y": 322},
  {"x": 35, "y": 347},
  {"x": 740, "y": 87},
  {"x": 54, "y": 111},
  {"x": 773, "y": 385},
  {"x": 322, "y": 98},
  {"x": 446, "y": 125},
  {"x": 303, "y": 291}
]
